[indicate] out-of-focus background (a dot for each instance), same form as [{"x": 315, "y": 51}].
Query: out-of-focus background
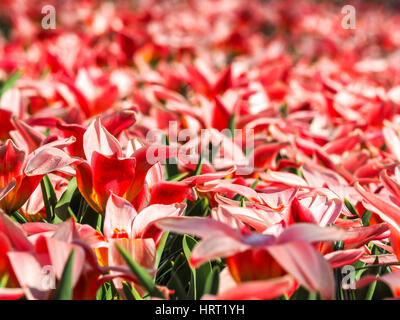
[{"x": 117, "y": 30}]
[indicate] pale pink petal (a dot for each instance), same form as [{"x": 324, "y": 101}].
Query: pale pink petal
[
  {"x": 286, "y": 178},
  {"x": 277, "y": 195},
  {"x": 215, "y": 247},
  {"x": 48, "y": 160},
  {"x": 59, "y": 252},
  {"x": 387, "y": 211},
  {"x": 38, "y": 227},
  {"x": 30, "y": 275},
  {"x": 310, "y": 233},
  {"x": 143, "y": 251},
  {"x": 380, "y": 259},
  {"x": 97, "y": 138},
  {"x": 119, "y": 215},
  {"x": 148, "y": 216},
  {"x": 232, "y": 189},
  {"x": 341, "y": 258},
  {"x": 392, "y": 141},
  {"x": 306, "y": 265},
  {"x": 258, "y": 290},
  {"x": 200, "y": 227},
  {"x": 201, "y": 179},
  {"x": 256, "y": 218}
]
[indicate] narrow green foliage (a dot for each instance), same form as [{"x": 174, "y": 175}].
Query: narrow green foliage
[
  {"x": 350, "y": 207},
  {"x": 64, "y": 288},
  {"x": 18, "y": 217},
  {"x": 49, "y": 197},
  {"x": 198, "y": 276},
  {"x": 10, "y": 82},
  {"x": 366, "y": 217},
  {"x": 160, "y": 248},
  {"x": 63, "y": 209},
  {"x": 232, "y": 124},
  {"x": 130, "y": 291},
  {"x": 141, "y": 274},
  {"x": 212, "y": 282},
  {"x": 171, "y": 167},
  {"x": 199, "y": 166}
]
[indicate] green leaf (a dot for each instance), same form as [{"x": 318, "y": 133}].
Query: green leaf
[
  {"x": 350, "y": 207},
  {"x": 300, "y": 294},
  {"x": 313, "y": 296},
  {"x": 212, "y": 282},
  {"x": 179, "y": 276},
  {"x": 199, "y": 166},
  {"x": 63, "y": 210},
  {"x": 18, "y": 217},
  {"x": 213, "y": 151},
  {"x": 49, "y": 197},
  {"x": 179, "y": 176},
  {"x": 372, "y": 286},
  {"x": 10, "y": 82},
  {"x": 231, "y": 125},
  {"x": 4, "y": 280},
  {"x": 284, "y": 110},
  {"x": 160, "y": 248},
  {"x": 200, "y": 208},
  {"x": 254, "y": 184},
  {"x": 91, "y": 217},
  {"x": 171, "y": 168},
  {"x": 105, "y": 292},
  {"x": 130, "y": 291},
  {"x": 366, "y": 217},
  {"x": 187, "y": 251},
  {"x": 199, "y": 275},
  {"x": 187, "y": 245},
  {"x": 64, "y": 288},
  {"x": 141, "y": 274}
]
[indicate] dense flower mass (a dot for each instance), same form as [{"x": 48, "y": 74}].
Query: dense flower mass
[{"x": 199, "y": 149}]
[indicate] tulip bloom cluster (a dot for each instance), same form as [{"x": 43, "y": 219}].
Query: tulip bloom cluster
[{"x": 199, "y": 150}]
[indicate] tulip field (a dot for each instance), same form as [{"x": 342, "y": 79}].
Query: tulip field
[{"x": 199, "y": 150}]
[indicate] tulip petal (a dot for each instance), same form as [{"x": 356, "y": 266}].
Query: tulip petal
[
  {"x": 306, "y": 265},
  {"x": 48, "y": 160},
  {"x": 286, "y": 178},
  {"x": 111, "y": 174},
  {"x": 30, "y": 275},
  {"x": 11, "y": 293},
  {"x": 15, "y": 233},
  {"x": 201, "y": 179},
  {"x": 172, "y": 192},
  {"x": 215, "y": 247},
  {"x": 310, "y": 233},
  {"x": 200, "y": 227},
  {"x": 144, "y": 224},
  {"x": 341, "y": 258},
  {"x": 392, "y": 141},
  {"x": 119, "y": 215},
  {"x": 59, "y": 252},
  {"x": 258, "y": 290},
  {"x": 97, "y": 138},
  {"x": 5, "y": 190}
]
